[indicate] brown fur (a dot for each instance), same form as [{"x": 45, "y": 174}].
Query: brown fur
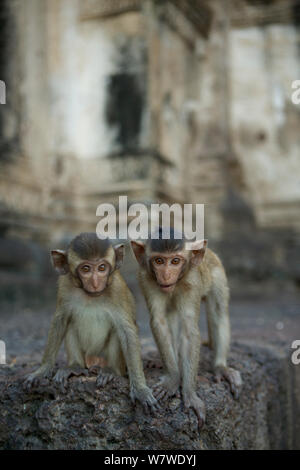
[
  {"x": 174, "y": 320},
  {"x": 95, "y": 330}
]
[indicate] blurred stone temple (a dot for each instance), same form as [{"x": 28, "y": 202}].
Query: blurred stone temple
[{"x": 175, "y": 101}]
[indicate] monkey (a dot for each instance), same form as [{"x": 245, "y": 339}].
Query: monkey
[
  {"x": 174, "y": 280},
  {"x": 95, "y": 317}
]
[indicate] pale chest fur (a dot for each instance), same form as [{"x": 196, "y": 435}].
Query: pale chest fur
[{"x": 91, "y": 322}]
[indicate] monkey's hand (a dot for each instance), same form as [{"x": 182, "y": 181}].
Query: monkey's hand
[
  {"x": 232, "y": 376},
  {"x": 34, "y": 379},
  {"x": 145, "y": 397},
  {"x": 192, "y": 401},
  {"x": 62, "y": 375},
  {"x": 168, "y": 386}
]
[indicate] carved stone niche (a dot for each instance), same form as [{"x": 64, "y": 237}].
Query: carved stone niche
[
  {"x": 186, "y": 17},
  {"x": 92, "y": 9}
]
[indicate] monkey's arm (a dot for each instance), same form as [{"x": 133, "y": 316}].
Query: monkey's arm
[
  {"x": 156, "y": 304},
  {"x": 162, "y": 335},
  {"x": 189, "y": 350},
  {"x": 189, "y": 353},
  {"x": 55, "y": 337}
]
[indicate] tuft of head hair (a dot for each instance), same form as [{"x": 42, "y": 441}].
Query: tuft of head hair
[
  {"x": 171, "y": 244},
  {"x": 88, "y": 246}
]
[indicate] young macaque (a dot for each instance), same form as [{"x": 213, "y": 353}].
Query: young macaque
[
  {"x": 95, "y": 316},
  {"x": 174, "y": 280}
]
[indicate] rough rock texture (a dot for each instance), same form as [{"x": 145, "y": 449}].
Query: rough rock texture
[{"x": 264, "y": 417}]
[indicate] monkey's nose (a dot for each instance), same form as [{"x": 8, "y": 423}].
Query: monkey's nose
[
  {"x": 94, "y": 282},
  {"x": 166, "y": 276}
]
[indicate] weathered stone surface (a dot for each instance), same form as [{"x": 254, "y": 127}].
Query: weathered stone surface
[
  {"x": 218, "y": 111},
  {"x": 87, "y": 418}
]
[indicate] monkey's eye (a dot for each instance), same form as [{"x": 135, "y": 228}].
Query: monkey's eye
[
  {"x": 102, "y": 267},
  {"x": 85, "y": 268},
  {"x": 159, "y": 261},
  {"x": 175, "y": 261}
]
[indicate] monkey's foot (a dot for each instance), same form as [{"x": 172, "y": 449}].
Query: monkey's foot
[
  {"x": 153, "y": 364},
  {"x": 34, "y": 379},
  {"x": 232, "y": 376},
  {"x": 207, "y": 343},
  {"x": 166, "y": 387},
  {"x": 145, "y": 397},
  {"x": 62, "y": 375},
  {"x": 105, "y": 376},
  {"x": 193, "y": 402},
  {"x": 94, "y": 370}
]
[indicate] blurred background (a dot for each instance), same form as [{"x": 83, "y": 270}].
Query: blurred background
[{"x": 175, "y": 101}]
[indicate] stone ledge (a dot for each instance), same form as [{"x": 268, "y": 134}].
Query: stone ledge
[{"x": 265, "y": 416}]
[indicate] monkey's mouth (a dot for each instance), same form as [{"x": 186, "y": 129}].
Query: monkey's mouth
[
  {"x": 167, "y": 287},
  {"x": 93, "y": 294}
]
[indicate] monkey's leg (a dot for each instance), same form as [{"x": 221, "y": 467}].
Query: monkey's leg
[
  {"x": 74, "y": 350},
  {"x": 217, "y": 310},
  {"x": 115, "y": 356},
  {"x": 76, "y": 363},
  {"x": 116, "y": 364},
  {"x": 127, "y": 332}
]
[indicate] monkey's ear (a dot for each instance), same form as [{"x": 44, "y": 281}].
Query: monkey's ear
[
  {"x": 198, "y": 251},
  {"x": 138, "y": 249},
  {"x": 60, "y": 261},
  {"x": 120, "y": 253}
]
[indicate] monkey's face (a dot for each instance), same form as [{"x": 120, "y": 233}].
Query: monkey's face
[
  {"x": 94, "y": 276},
  {"x": 90, "y": 261},
  {"x": 168, "y": 269}
]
